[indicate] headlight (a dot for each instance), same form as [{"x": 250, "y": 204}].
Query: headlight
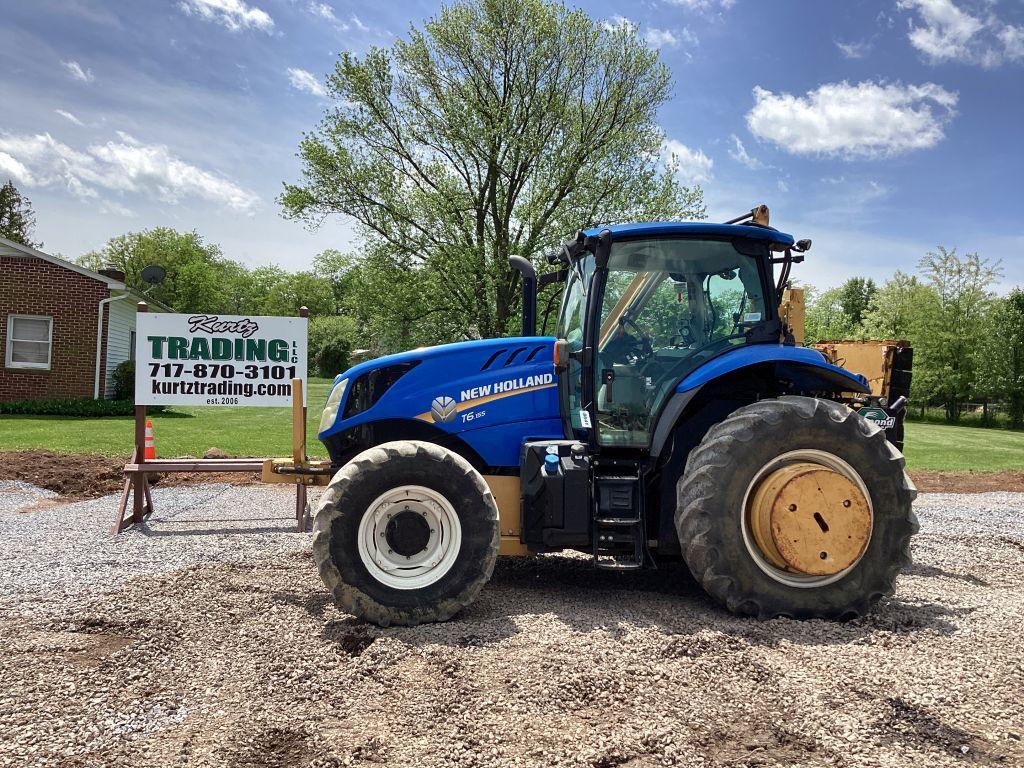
[{"x": 333, "y": 403}]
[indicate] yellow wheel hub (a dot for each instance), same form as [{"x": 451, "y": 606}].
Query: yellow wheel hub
[{"x": 807, "y": 518}]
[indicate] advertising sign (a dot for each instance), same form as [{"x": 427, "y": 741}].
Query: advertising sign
[{"x": 218, "y": 359}]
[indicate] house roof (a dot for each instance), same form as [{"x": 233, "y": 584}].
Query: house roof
[{"x": 11, "y": 248}]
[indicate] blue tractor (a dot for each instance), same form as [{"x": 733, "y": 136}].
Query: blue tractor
[{"x": 671, "y": 416}]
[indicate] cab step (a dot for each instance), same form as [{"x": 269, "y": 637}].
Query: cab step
[{"x": 620, "y": 541}]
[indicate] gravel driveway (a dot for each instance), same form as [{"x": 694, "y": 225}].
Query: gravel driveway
[{"x": 207, "y": 638}]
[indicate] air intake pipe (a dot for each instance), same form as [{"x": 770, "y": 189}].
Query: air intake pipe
[{"x": 529, "y": 273}]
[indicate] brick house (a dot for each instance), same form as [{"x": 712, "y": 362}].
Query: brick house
[{"x": 63, "y": 328}]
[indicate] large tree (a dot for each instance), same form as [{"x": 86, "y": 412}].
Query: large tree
[
  {"x": 826, "y": 318},
  {"x": 1001, "y": 355},
  {"x": 894, "y": 308},
  {"x": 17, "y": 221},
  {"x": 855, "y": 296},
  {"x": 950, "y": 324},
  {"x": 498, "y": 129}
]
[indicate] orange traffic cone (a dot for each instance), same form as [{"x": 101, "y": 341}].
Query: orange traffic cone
[{"x": 150, "y": 445}]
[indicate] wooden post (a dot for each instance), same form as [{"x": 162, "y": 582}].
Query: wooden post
[
  {"x": 299, "y": 446},
  {"x": 139, "y": 490}
]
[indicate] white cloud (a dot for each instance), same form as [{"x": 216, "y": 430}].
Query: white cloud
[
  {"x": 661, "y": 37},
  {"x": 739, "y": 154},
  {"x": 326, "y": 12},
  {"x": 68, "y": 116},
  {"x": 946, "y": 31},
  {"x": 656, "y": 38},
  {"x": 782, "y": 185},
  {"x": 863, "y": 120},
  {"x": 233, "y": 14},
  {"x": 114, "y": 207},
  {"x": 618, "y": 22},
  {"x": 671, "y": 38},
  {"x": 854, "y": 50},
  {"x": 323, "y": 10},
  {"x": 704, "y": 5},
  {"x": 302, "y": 80},
  {"x": 852, "y": 195},
  {"x": 123, "y": 165},
  {"x": 77, "y": 72},
  {"x": 692, "y": 166},
  {"x": 10, "y": 168}
]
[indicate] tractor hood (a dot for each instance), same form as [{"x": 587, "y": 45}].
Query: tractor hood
[{"x": 453, "y": 387}]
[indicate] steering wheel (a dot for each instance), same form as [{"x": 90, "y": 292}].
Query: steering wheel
[{"x": 644, "y": 341}]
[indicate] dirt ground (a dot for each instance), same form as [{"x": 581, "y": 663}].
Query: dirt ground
[
  {"x": 250, "y": 665},
  {"x": 143, "y": 650},
  {"x": 86, "y": 476},
  {"x": 89, "y": 476}
]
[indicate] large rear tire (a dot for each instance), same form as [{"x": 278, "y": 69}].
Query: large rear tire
[
  {"x": 796, "y": 445},
  {"x": 406, "y": 532}
]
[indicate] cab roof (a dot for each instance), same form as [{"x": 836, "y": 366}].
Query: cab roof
[{"x": 693, "y": 229}]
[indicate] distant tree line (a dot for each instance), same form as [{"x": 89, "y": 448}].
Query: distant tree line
[{"x": 968, "y": 342}]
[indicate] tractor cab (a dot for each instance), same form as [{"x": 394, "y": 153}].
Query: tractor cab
[{"x": 670, "y": 298}]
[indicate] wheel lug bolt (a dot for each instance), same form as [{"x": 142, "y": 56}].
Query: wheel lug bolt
[
  {"x": 792, "y": 507},
  {"x": 846, "y": 502}
]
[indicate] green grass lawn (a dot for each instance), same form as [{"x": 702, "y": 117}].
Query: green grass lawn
[
  {"x": 267, "y": 432},
  {"x": 178, "y": 431},
  {"x": 963, "y": 449}
]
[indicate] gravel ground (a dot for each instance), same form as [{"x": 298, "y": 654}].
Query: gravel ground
[{"x": 206, "y": 638}]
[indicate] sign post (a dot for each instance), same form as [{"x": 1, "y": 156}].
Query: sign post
[{"x": 203, "y": 359}]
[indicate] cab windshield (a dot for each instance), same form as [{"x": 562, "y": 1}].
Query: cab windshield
[{"x": 669, "y": 304}]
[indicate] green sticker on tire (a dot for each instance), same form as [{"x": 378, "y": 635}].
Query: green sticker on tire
[{"x": 880, "y": 417}]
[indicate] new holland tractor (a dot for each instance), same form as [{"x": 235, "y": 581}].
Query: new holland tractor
[{"x": 670, "y": 416}]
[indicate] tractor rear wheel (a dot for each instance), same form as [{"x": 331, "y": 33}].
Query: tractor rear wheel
[
  {"x": 406, "y": 532},
  {"x": 796, "y": 507}
]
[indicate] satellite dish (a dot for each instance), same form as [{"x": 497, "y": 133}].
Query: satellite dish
[{"x": 154, "y": 274}]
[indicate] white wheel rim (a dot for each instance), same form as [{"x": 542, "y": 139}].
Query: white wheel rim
[
  {"x": 813, "y": 456},
  {"x": 423, "y": 568}
]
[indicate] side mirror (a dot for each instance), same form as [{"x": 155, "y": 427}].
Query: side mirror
[{"x": 561, "y": 355}]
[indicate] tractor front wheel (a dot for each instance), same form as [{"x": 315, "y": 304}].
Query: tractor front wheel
[
  {"x": 796, "y": 507},
  {"x": 407, "y": 532}
]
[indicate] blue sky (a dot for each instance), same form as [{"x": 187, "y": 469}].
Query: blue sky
[{"x": 879, "y": 129}]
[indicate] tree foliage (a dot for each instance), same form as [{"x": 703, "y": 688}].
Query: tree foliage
[
  {"x": 826, "y": 318},
  {"x": 498, "y": 129},
  {"x": 200, "y": 279},
  {"x": 1000, "y": 362},
  {"x": 17, "y": 220},
  {"x": 951, "y": 326},
  {"x": 891, "y": 312},
  {"x": 855, "y": 297}
]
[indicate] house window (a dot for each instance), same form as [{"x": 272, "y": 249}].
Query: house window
[
  {"x": 29, "y": 339},
  {"x": 131, "y": 345}
]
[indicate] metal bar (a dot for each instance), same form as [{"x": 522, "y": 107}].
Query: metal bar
[
  {"x": 300, "y": 507},
  {"x": 196, "y": 465},
  {"x": 204, "y": 462},
  {"x": 149, "y": 499}
]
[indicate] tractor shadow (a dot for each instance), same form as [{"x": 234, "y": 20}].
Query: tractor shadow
[{"x": 586, "y": 600}]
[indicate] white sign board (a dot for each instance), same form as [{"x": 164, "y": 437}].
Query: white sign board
[{"x": 218, "y": 359}]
